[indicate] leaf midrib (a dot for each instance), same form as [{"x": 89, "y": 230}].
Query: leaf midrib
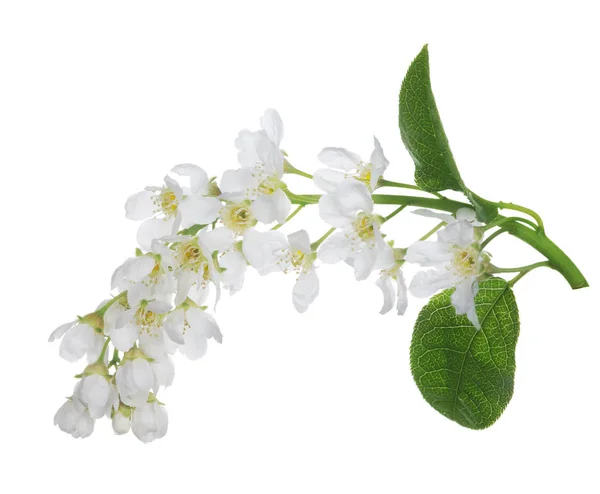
[{"x": 460, "y": 372}]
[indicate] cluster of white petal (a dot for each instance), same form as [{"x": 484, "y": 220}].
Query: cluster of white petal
[{"x": 199, "y": 235}]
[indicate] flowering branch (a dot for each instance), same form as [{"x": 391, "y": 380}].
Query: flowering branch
[{"x": 199, "y": 236}]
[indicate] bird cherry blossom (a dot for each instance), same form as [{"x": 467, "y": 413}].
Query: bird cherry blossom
[
  {"x": 359, "y": 242},
  {"x": 457, "y": 262},
  {"x": 343, "y": 164},
  {"x": 200, "y": 236},
  {"x": 258, "y": 185},
  {"x": 273, "y": 251}
]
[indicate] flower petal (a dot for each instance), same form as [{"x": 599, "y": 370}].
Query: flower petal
[
  {"x": 164, "y": 373},
  {"x": 331, "y": 211},
  {"x": 264, "y": 249},
  {"x": 300, "y": 241},
  {"x": 339, "y": 158},
  {"x": 448, "y": 218},
  {"x": 272, "y": 125},
  {"x": 334, "y": 249},
  {"x": 154, "y": 228},
  {"x": 198, "y": 177},
  {"x": 305, "y": 290},
  {"x": 246, "y": 144},
  {"x": 199, "y": 210},
  {"x": 364, "y": 263},
  {"x": 463, "y": 299},
  {"x": 77, "y": 342},
  {"x": 460, "y": 233},
  {"x": 379, "y": 162},
  {"x": 219, "y": 239},
  {"x": 281, "y": 205},
  {"x": 269, "y": 155},
  {"x": 429, "y": 253},
  {"x": 204, "y": 323},
  {"x": 328, "y": 180},
  {"x": 355, "y": 196},
  {"x": 427, "y": 283},
  {"x": 385, "y": 284},
  {"x": 235, "y": 183},
  {"x": 235, "y": 268},
  {"x": 140, "y": 206},
  {"x": 124, "y": 337},
  {"x": 402, "y": 299},
  {"x": 61, "y": 330},
  {"x": 174, "y": 325}
]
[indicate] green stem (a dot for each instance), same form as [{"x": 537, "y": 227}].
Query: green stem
[
  {"x": 115, "y": 358},
  {"x": 556, "y": 257},
  {"x": 315, "y": 245},
  {"x": 103, "y": 352},
  {"x": 534, "y": 238},
  {"x": 289, "y": 168},
  {"x": 492, "y": 237},
  {"x": 522, "y": 209},
  {"x": 389, "y": 183},
  {"x": 394, "y": 212},
  {"x": 102, "y": 310},
  {"x": 529, "y": 267},
  {"x": 502, "y": 221},
  {"x": 432, "y": 231},
  {"x": 294, "y": 213}
]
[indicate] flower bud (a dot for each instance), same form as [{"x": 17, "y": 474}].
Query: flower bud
[
  {"x": 95, "y": 320},
  {"x": 149, "y": 422},
  {"x": 121, "y": 420},
  {"x": 73, "y": 419}
]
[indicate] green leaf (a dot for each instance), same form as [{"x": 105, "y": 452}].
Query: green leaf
[
  {"x": 424, "y": 137},
  {"x": 192, "y": 230},
  {"x": 422, "y": 131},
  {"x": 486, "y": 210},
  {"x": 467, "y": 374}
]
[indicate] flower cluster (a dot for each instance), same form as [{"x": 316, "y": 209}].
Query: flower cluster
[{"x": 199, "y": 235}]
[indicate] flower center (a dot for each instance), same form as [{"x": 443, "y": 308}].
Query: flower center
[
  {"x": 167, "y": 202},
  {"x": 364, "y": 173},
  {"x": 147, "y": 320},
  {"x": 190, "y": 256},
  {"x": 237, "y": 217},
  {"x": 364, "y": 226},
  {"x": 466, "y": 261},
  {"x": 269, "y": 185}
]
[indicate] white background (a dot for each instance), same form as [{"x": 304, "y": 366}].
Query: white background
[{"x": 99, "y": 99}]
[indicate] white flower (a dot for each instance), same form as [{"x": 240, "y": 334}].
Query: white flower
[
  {"x": 146, "y": 277},
  {"x": 350, "y": 207},
  {"x": 73, "y": 419},
  {"x": 164, "y": 209},
  {"x": 149, "y": 421},
  {"x": 233, "y": 272},
  {"x": 159, "y": 208},
  {"x": 135, "y": 378},
  {"x": 384, "y": 282},
  {"x": 344, "y": 164},
  {"x": 97, "y": 394},
  {"x": 195, "y": 263},
  {"x": 466, "y": 214},
  {"x": 78, "y": 339},
  {"x": 125, "y": 325},
  {"x": 164, "y": 372},
  {"x": 197, "y": 206},
  {"x": 190, "y": 328},
  {"x": 121, "y": 420},
  {"x": 457, "y": 262},
  {"x": 272, "y": 251},
  {"x": 259, "y": 179}
]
